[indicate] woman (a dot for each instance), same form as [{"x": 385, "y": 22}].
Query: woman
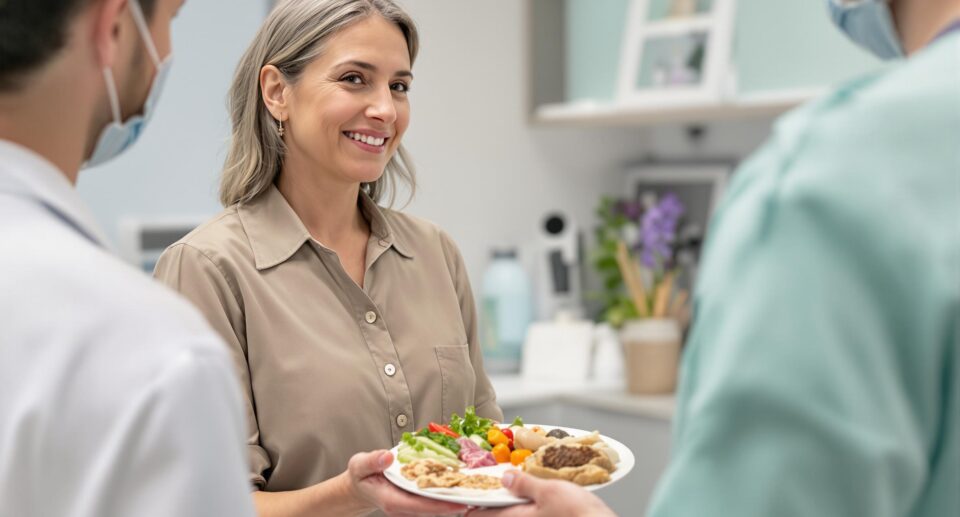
[{"x": 350, "y": 323}]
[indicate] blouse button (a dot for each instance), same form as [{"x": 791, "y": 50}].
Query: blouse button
[
  {"x": 371, "y": 316},
  {"x": 402, "y": 420},
  {"x": 390, "y": 369}
]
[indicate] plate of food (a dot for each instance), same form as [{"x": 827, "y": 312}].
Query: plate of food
[{"x": 462, "y": 462}]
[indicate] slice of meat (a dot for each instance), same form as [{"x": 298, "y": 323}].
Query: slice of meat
[{"x": 559, "y": 456}]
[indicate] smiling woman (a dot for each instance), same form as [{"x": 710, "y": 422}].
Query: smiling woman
[{"x": 350, "y": 323}]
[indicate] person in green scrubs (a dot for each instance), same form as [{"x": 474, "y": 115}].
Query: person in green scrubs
[{"x": 822, "y": 374}]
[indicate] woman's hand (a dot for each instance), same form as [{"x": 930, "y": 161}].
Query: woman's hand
[
  {"x": 365, "y": 474},
  {"x": 551, "y": 498}
]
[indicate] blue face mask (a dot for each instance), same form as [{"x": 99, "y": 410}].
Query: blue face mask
[
  {"x": 119, "y": 135},
  {"x": 869, "y": 24}
]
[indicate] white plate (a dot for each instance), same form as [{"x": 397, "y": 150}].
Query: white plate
[{"x": 500, "y": 496}]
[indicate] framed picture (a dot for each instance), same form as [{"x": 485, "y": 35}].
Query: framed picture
[
  {"x": 675, "y": 52},
  {"x": 698, "y": 186}
]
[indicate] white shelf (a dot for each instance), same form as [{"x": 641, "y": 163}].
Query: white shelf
[
  {"x": 614, "y": 114},
  {"x": 678, "y": 26}
]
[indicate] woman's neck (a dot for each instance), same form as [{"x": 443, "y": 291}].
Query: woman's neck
[
  {"x": 919, "y": 22},
  {"x": 328, "y": 209}
]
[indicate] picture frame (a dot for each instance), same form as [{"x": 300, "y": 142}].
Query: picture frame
[
  {"x": 698, "y": 185},
  {"x": 675, "y": 52}
]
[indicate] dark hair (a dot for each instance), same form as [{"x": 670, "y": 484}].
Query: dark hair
[{"x": 32, "y": 31}]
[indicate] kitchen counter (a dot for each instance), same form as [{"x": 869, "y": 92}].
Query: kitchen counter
[{"x": 513, "y": 391}]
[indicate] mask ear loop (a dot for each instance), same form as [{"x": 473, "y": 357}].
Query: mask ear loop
[
  {"x": 141, "y": 21},
  {"x": 112, "y": 95}
]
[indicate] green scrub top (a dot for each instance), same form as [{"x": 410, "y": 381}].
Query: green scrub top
[{"x": 821, "y": 373}]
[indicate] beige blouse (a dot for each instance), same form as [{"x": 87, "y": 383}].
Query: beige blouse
[{"x": 330, "y": 369}]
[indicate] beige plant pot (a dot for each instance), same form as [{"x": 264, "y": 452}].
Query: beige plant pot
[{"x": 652, "y": 351}]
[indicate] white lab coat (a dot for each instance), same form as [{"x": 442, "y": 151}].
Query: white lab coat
[{"x": 116, "y": 398}]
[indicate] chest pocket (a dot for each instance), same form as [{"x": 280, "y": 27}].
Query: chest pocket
[{"x": 458, "y": 379}]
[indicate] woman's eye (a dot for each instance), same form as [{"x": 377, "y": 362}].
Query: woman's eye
[
  {"x": 401, "y": 87},
  {"x": 352, "y": 79}
]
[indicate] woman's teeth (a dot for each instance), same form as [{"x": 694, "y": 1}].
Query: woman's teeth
[{"x": 369, "y": 140}]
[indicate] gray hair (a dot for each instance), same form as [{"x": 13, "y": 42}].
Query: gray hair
[{"x": 293, "y": 36}]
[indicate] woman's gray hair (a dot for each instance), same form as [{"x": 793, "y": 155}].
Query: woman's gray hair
[{"x": 292, "y": 36}]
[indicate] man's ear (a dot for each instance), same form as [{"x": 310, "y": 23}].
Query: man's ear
[
  {"x": 274, "y": 90},
  {"x": 108, "y": 16}
]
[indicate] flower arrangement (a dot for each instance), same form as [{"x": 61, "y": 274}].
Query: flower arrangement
[{"x": 644, "y": 229}]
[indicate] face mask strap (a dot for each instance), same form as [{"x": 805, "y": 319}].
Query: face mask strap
[
  {"x": 112, "y": 95},
  {"x": 141, "y": 22}
]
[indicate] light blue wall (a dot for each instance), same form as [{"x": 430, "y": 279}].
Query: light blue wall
[
  {"x": 778, "y": 44},
  {"x": 785, "y": 44},
  {"x": 594, "y": 32},
  {"x": 173, "y": 169}
]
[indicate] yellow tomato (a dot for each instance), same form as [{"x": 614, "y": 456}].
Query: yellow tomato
[
  {"x": 517, "y": 456},
  {"x": 496, "y": 437},
  {"x": 501, "y": 453}
]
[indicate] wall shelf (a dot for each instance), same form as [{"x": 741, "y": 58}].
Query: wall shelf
[{"x": 587, "y": 114}]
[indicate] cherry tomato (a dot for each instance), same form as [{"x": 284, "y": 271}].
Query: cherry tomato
[
  {"x": 496, "y": 437},
  {"x": 507, "y": 431},
  {"x": 518, "y": 456},
  {"x": 501, "y": 453}
]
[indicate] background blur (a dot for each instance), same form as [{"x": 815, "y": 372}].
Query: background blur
[{"x": 520, "y": 109}]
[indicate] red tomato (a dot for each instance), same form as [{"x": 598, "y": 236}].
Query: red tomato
[{"x": 508, "y": 432}]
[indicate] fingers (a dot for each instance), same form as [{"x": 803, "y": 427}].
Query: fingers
[
  {"x": 522, "y": 485},
  {"x": 365, "y": 464}
]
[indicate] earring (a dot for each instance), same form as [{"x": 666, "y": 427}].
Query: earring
[{"x": 280, "y": 127}]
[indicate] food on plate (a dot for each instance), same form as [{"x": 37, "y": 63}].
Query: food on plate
[
  {"x": 448, "y": 479},
  {"x": 474, "y": 455},
  {"x": 470, "y": 423},
  {"x": 480, "y": 482},
  {"x": 423, "y": 467},
  {"x": 419, "y": 447},
  {"x": 531, "y": 438},
  {"x": 429, "y": 473},
  {"x": 518, "y": 456},
  {"x": 434, "y": 456},
  {"x": 501, "y": 453},
  {"x": 585, "y": 460}
]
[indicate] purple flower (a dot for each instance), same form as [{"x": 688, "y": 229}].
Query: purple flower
[{"x": 658, "y": 230}]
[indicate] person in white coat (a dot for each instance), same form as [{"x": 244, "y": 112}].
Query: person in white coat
[{"x": 116, "y": 398}]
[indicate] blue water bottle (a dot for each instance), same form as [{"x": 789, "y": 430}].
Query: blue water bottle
[{"x": 506, "y": 312}]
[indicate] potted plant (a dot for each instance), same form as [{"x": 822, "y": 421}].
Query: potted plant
[{"x": 638, "y": 246}]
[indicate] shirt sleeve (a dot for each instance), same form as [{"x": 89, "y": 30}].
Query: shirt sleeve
[
  {"x": 484, "y": 395},
  {"x": 178, "y": 449},
  {"x": 194, "y": 275},
  {"x": 794, "y": 400}
]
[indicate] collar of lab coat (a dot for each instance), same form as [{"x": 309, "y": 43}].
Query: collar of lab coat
[{"x": 26, "y": 174}]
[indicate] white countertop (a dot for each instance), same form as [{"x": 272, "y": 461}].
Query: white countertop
[{"x": 512, "y": 391}]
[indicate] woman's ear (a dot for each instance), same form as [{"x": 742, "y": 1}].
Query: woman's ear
[{"x": 274, "y": 90}]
